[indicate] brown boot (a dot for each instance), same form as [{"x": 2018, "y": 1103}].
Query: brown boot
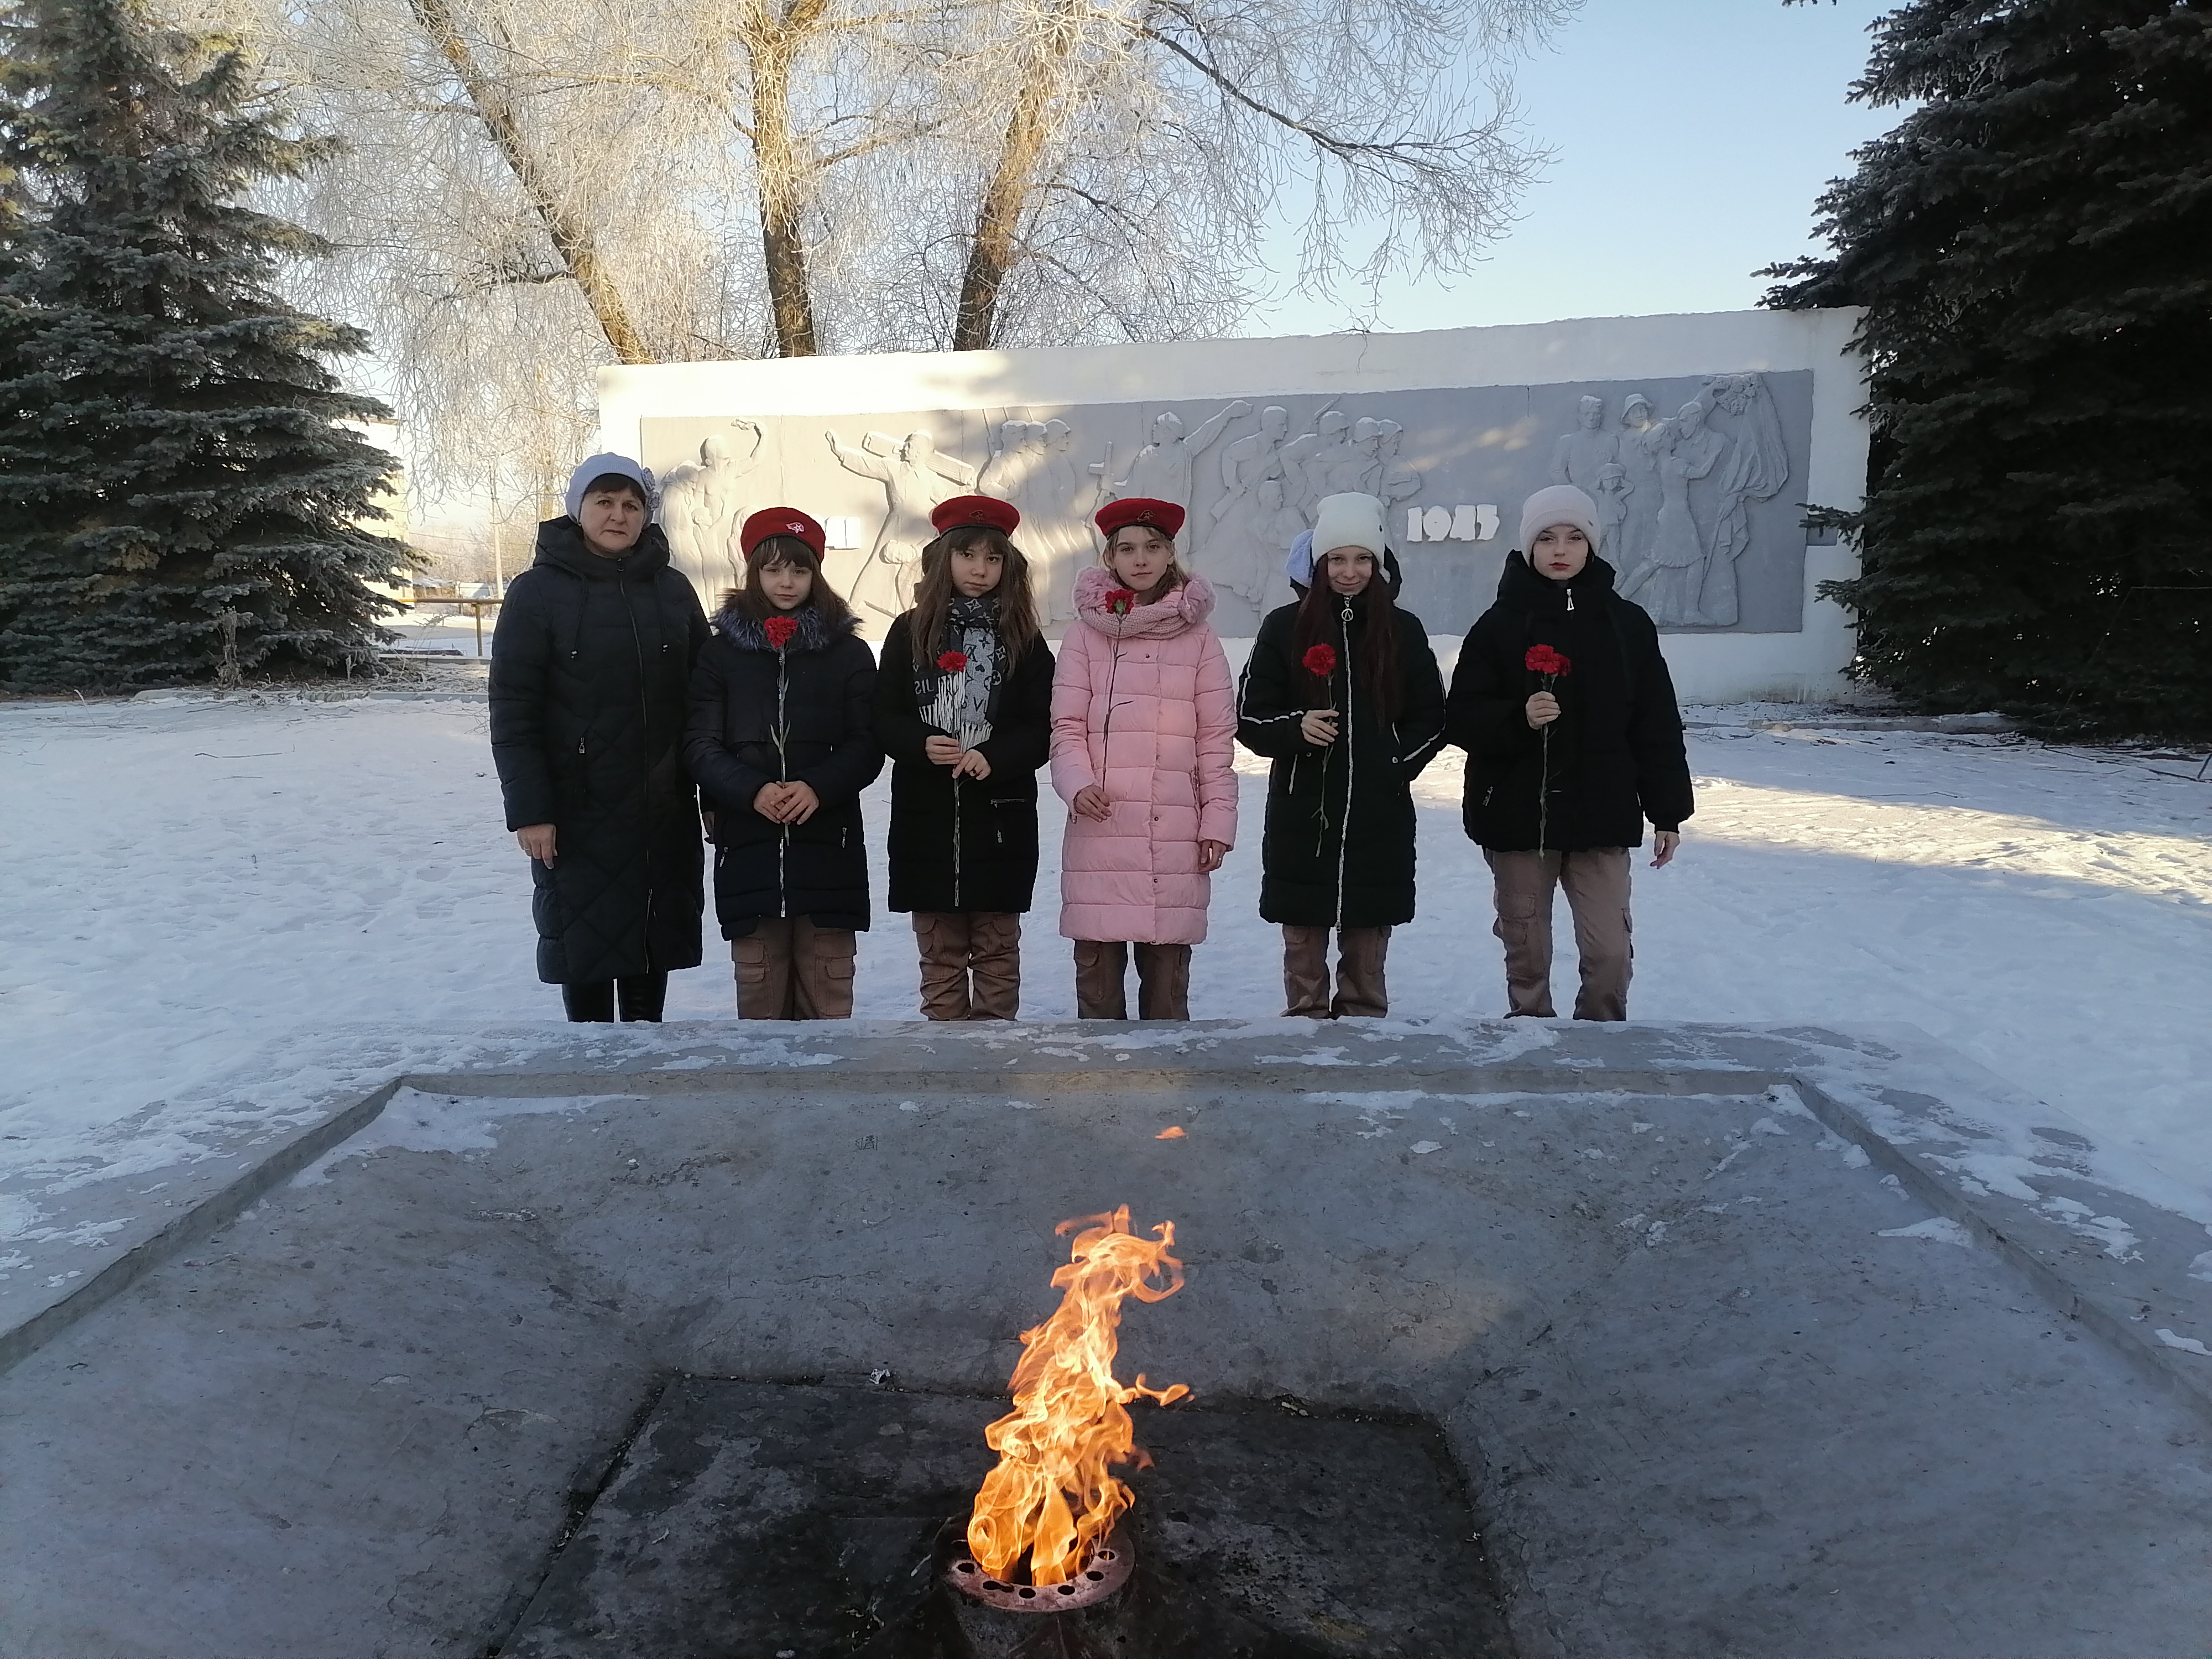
[
  {"x": 943, "y": 939},
  {"x": 822, "y": 961},
  {"x": 762, "y": 960},
  {"x": 1305, "y": 972},
  {"x": 1102, "y": 967},
  {"x": 994, "y": 957},
  {"x": 1360, "y": 992},
  {"x": 1163, "y": 981}
]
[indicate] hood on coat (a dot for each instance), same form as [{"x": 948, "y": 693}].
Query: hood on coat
[
  {"x": 1519, "y": 584},
  {"x": 815, "y": 632},
  {"x": 560, "y": 546},
  {"x": 1187, "y": 607}
]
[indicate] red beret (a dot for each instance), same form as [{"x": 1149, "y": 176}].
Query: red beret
[
  {"x": 975, "y": 512},
  {"x": 1163, "y": 516},
  {"x": 782, "y": 522}
]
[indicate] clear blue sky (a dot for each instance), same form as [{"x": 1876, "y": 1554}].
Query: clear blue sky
[{"x": 1691, "y": 138}]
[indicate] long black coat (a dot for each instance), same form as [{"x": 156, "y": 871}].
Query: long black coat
[
  {"x": 590, "y": 666},
  {"x": 1615, "y": 754},
  {"x": 1338, "y": 849},
  {"x": 802, "y": 714},
  {"x": 963, "y": 843}
]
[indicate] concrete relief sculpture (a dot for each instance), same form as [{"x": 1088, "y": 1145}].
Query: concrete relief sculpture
[
  {"x": 702, "y": 504},
  {"x": 1399, "y": 481},
  {"x": 1056, "y": 530},
  {"x": 1757, "y": 468},
  {"x": 1638, "y": 456},
  {"x": 1694, "y": 508},
  {"x": 1580, "y": 456},
  {"x": 916, "y": 477},
  {"x": 1165, "y": 469},
  {"x": 1672, "y": 576},
  {"x": 1674, "y": 496}
]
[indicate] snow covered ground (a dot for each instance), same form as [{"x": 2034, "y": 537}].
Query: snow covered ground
[{"x": 182, "y": 883}]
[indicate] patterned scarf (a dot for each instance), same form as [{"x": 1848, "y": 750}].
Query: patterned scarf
[{"x": 962, "y": 706}]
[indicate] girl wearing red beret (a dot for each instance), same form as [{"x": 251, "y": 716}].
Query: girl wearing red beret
[
  {"x": 964, "y": 707},
  {"x": 1144, "y": 725},
  {"x": 782, "y": 741}
]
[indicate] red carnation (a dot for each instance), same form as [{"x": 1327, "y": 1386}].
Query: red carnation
[
  {"x": 952, "y": 661},
  {"x": 1320, "y": 661},
  {"x": 1119, "y": 599},
  {"x": 1542, "y": 659},
  {"x": 780, "y": 629}
]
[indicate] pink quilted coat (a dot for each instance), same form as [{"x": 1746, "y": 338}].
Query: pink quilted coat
[{"x": 1162, "y": 754}]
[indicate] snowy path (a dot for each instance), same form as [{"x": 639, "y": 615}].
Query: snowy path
[{"x": 180, "y": 884}]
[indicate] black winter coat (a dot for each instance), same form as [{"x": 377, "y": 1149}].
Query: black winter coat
[
  {"x": 1338, "y": 849},
  {"x": 1615, "y": 754},
  {"x": 801, "y": 714},
  {"x": 962, "y": 843},
  {"x": 590, "y": 665}
]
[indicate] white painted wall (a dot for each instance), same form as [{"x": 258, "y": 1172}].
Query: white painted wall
[{"x": 1721, "y": 667}]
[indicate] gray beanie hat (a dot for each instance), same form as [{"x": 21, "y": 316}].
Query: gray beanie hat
[
  {"x": 593, "y": 468},
  {"x": 1557, "y": 504}
]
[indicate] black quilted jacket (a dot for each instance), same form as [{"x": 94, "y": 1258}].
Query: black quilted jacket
[
  {"x": 801, "y": 714},
  {"x": 589, "y": 670},
  {"x": 1615, "y": 756},
  {"x": 1338, "y": 849}
]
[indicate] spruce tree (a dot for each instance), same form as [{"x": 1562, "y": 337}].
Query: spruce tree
[
  {"x": 172, "y": 473},
  {"x": 2032, "y": 246}
]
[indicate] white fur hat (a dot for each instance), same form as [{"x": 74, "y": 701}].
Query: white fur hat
[{"x": 1557, "y": 504}]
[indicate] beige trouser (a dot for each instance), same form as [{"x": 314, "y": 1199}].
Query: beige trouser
[
  {"x": 1360, "y": 993},
  {"x": 1597, "y": 881},
  {"x": 971, "y": 964},
  {"x": 1102, "y": 967},
  {"x": 789, "y": 969}
]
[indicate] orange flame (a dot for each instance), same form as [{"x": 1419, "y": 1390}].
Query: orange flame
[
  {"x": 1175, "y": 1134},
  {"x": 1051, "y": 1494}
]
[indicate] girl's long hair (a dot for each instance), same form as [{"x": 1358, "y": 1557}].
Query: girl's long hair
[
  {"x": 750, "y": 601},
  {"x": 1018, "y": 628},
  {"x": 1175, "y": 576},
  {"x": 1376, "y": 660}
]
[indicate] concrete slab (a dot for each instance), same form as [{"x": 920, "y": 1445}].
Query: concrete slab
[{"x": 1746, "y": 1339}]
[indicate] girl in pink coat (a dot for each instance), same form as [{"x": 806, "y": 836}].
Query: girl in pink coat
[{"x": 1144, "y": 724}]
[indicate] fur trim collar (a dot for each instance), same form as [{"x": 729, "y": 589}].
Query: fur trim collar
[
  {"x": 815, "y": 633},
  {"x": 1187, "y": 607}
]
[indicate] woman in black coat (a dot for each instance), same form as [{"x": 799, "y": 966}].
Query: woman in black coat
[
  {"x": 590, "y": 665},
  {"x": 782, "y": 740},
  {"x": 1342, "y": 692},
  {"x": 967, "y": 721},
  {"x": 1563, "y": 765}
]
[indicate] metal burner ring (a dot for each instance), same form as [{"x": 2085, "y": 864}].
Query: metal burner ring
[{"x": 1104, "y": 1570}]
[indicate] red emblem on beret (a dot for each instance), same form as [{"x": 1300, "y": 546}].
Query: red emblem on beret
[
  {"x": 782, "y": 522},
  {"x": 1163, "y": 516},
  {"x": 975, "y": 512}
]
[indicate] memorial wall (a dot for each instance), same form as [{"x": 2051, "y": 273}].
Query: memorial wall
[{"x": 1701, "y": 438}]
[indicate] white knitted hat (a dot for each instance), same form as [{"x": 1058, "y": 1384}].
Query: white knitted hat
[
  {"x": 1350, "y": 520},
  {"x": 1557, "y": 504}
]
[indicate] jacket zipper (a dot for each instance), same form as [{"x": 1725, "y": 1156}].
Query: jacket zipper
[
  {"x": 1344, "y": 831},
  {"x": 782, "y": 766},
  {"x": 645, "y": 732}
]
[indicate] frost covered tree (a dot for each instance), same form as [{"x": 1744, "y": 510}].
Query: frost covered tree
[
  {"x": 182, "y": 498},
  {"x": 2032, "y": 245},
  {"x": 532, "y": 190}
]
